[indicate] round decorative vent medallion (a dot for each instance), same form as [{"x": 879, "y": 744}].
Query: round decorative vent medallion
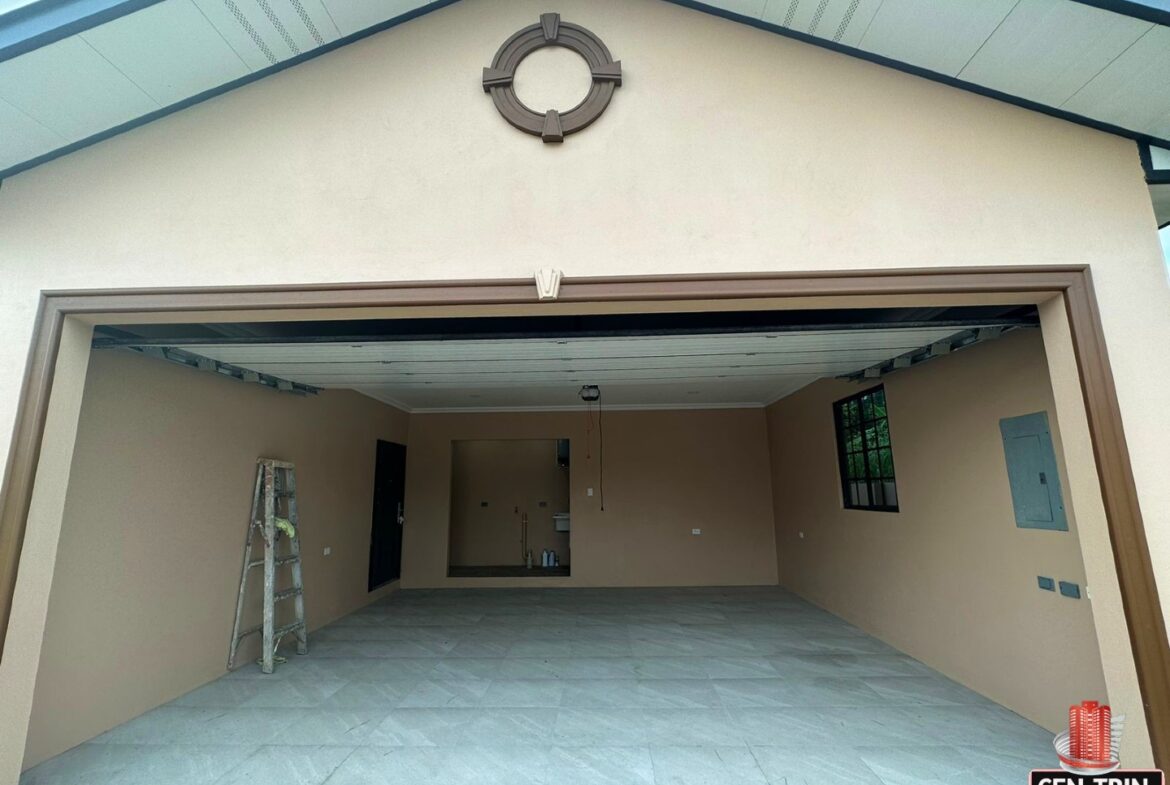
[{"x": 552, "y": 125}]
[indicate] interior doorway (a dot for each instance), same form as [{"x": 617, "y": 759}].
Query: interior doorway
[
  {"x": 509, "y": 508},
  {"x": 389, "y": 516}
]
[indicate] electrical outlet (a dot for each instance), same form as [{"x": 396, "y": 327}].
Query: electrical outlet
[
  {"x": 328, "y": 550},
  {"x": 696, "y": 532},
  {"x": 588, "y": 491}
]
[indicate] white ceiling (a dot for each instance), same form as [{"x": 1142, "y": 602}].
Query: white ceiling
[
  {"x": 742, "y": 369},
  {"x": 1066, "y": 55},
  {"x": 163, "y": 54}
]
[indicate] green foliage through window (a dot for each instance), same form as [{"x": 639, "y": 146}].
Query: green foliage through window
[{"x": 865, "y": 451}]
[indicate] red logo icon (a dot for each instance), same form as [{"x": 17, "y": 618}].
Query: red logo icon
[{"x": 1090, "y": 744}]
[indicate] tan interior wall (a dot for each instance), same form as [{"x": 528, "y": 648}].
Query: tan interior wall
[
  {"x": 666, "y": 472},
  {"x": 148, "y": 565},
  {"x": 493, "y": 483},
  {"x": 949, "y": 578}
]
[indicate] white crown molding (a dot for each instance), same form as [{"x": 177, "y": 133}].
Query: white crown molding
[
  {"x": 386, "y": 399},
  {"x": 635, "y": 407}
]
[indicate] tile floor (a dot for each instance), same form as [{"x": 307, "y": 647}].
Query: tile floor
[{"x": 573, "y": 687}]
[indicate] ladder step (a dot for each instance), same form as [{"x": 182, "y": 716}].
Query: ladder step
[
  {"x": 279, "y": 632},
  {"x": 284, "y": 595},
  {"x": 278, "y": 562}
]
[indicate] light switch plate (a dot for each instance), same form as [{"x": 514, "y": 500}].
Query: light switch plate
[
  {"x": 588, "y": 491},
  {"x": 328, "y": 550},
  {"x": 696, "y": 531},
  {"x": 1070, "y": 590}
]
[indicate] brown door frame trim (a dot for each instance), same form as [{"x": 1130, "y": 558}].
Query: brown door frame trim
[{"x": 1147, "y": 629}]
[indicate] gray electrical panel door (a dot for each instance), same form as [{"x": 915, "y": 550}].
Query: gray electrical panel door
[{"x": 1032, "y": 473}]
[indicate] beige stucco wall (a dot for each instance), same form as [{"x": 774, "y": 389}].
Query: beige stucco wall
[
  {"x": 494, "y": 482},
  {"x": 384, "y": 160},
  {"x": 152, "y": 540},
  {"x": 666, "y": 472},
  {"x": 951, "y": 559}
]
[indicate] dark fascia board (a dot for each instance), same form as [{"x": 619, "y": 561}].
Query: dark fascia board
[
  {"x": 224, "y": 88},
  {"x": 43, "y": 22},
  {"x": 1153, "y": 176},
  {"x": 1156, "y": 11},
  {"x": 934, "y": 76}
]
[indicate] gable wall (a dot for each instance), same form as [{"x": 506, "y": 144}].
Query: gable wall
[{"x": 726, "y": 149}]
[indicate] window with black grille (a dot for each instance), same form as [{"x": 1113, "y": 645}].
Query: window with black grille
[{"x": 865, "y": 453}]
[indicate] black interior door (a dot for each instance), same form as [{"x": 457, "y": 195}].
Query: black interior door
[{"x": 386, "y": 534}]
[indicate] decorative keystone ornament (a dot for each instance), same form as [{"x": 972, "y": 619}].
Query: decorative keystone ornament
[
  {"x": 548, "y": 283},
  {"x": 552, "y": 126}
]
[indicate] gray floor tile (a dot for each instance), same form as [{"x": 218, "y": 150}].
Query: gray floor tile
[
  {"x": 691, "y": 727},
  {"x": 508, "y": 727},
  {"x": 1008, "y": 766},
  {"x": 919, "y": 765},
  {"x": 523, "y": 694},
  {"x": 175, "y": 764},
  {"x": 287, "y": 766},
  {"x": 333, "y": 727},
  {"x": 823, "y": 765},
  {"x": 923, "y": 690},
  {"x": 384, "y": 695},
  {"x": 599, "y": 727},
  {"x": 293, "y": 693},
  {"x": 420, "y": 728},
  {"x": 447, "y": 693},
  {"x": 600, "y": 766},
  {"x": 573, "y": 687},
  {"x": 705, "y": 766},
  {"x": 85, "y": 763}
]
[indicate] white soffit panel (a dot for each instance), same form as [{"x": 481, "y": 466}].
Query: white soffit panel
[
  {"x": 1134, "y": 90},
  {"x": 843, "y": 21},
  {"x": 1046, "y": 50},
  {"x": 676, "y": 370},
  {"x": 351, "y": 16},
  {"x": 23, "y": 136},
  {"x": 170, "y": 50},
  {"x": 307, "y": 22},
  {"x": 941, "y": 35},
  {"x": 70, "y": 88}
]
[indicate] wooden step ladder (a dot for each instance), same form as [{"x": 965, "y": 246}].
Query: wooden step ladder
[{"x": 274, "y": 518}]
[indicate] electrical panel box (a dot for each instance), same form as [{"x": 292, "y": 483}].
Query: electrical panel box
[{"x": 1032, "y": 472}]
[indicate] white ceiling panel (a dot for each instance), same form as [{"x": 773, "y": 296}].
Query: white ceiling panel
[
  {"x": 674, "y": 370},
  {"x": 247, "y": 30},
  {"x": 170, "y": 50},
  {"x": 354, "y": 15},
  {"x": 1046, "y": 50},
  {"x": 1134, "y": 90},
  {"x": 307, "y": 21},
  {"x": 23, "y": 137},
  {"x": 844, "y": 21},
  {"x": 941, "y": 35},
  {"x": 70, "y": 88}
]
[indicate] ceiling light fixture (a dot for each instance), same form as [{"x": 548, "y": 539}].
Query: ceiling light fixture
[{"x": 590, "y": 393}]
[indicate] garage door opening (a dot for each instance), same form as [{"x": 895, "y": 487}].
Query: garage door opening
[{"x": 800, "y": 510}]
